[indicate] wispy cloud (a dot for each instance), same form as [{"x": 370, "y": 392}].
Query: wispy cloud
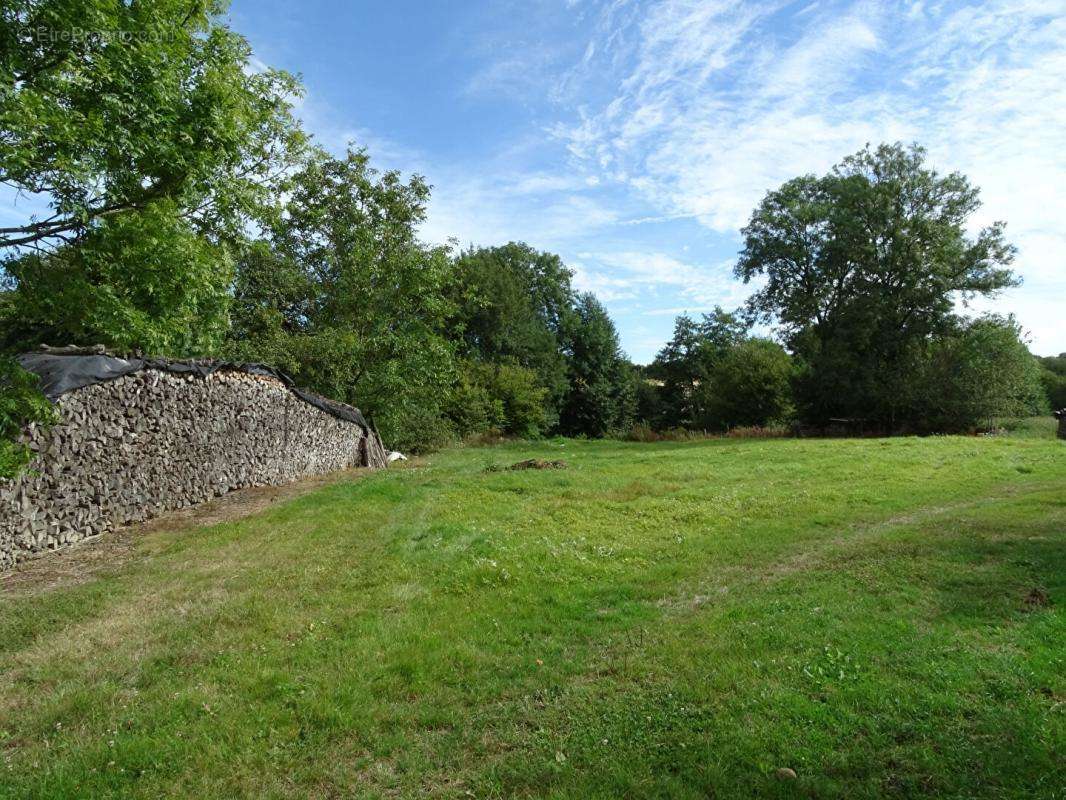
[
  {"x": 622, "y": 275},
  {"x": 546, "y": 211}
]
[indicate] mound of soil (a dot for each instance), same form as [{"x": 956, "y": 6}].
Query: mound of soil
[{"x": 531, "y": 463}]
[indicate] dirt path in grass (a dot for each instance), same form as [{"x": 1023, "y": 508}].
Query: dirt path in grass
[{"x": 70, "y": 566}]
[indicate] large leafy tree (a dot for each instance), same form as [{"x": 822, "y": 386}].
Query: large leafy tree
[
  {"x": 342, "y": 294},
  {"x": 749, "y": 384},
  {"x": 108, "y": 106},
  {"x": 510, "y": 305},
  {"x": 686, "y": 361},
  {"x": 152, "y": 140},
  {"x": 861, "y": 268},
  {"x": 976, "y": 372},
  {"x": 602, "y": 391}
]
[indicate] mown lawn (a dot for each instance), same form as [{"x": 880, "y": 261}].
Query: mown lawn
[{"x": 887, "y": 618}]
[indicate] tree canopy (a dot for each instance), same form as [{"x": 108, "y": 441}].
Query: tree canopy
[
  {"x": 107, "y": 107},
  {"x": 343, "y": 296},
  {"x": 861, "y": 267},
  {"x": 601, "y": 395},
  {"x": 510, "y": 305},
  {"x": 154, "y": 141},
  {"x": 686, "y": 361}
]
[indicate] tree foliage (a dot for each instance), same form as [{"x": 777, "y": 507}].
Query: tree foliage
[
  {"x": 749, "y": 385},
  {"x": 510, "y": 303},
  {"x": 712, "y": 376},
  {"x": 500, "y": 398},
  {"x": 107, "y": 107},
  {"x": 686, "y": 362},
  {"x": 343, "y": 295},
  {"x": 602, "y": 394},
  {"x": 153, "y": 141},
  {"x": 980, "y": 370},
  {"x": 136, "y": 281},
  {"x": 861, "y": 267},
  {"x": 1053, "y": 378},
  {"x": 21, "y": 404}
]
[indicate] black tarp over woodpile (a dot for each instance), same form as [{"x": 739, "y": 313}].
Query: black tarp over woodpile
[{"x": 64, "y": 370}]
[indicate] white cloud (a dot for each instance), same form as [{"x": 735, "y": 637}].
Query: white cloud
[
  {"x": 515, "y": 76},
  {"x": 544, "y": 211},
  {"x": 631, "y": 274}
]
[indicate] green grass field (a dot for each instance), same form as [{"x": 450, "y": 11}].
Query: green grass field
[{"x": 887, "y": 618}]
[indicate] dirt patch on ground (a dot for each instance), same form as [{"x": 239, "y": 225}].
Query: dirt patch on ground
[
  {"x": 530, "y": 463},
  {"x": 70, "y": 566},
  {"x": 1036, "y": 599}
]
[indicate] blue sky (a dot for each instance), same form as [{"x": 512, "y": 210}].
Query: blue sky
[{"x": 634, "y": 138}]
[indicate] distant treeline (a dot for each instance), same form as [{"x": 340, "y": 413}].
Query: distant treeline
[{"x": 190, "y": 215}]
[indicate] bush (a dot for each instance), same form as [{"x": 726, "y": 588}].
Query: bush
[
  {"x": 415, "y": 430},
  {"x": 21, "y": 403},
  {"x": 748, "y": 386},
  {"x": 649, "y": 399},
  {"x": 641, "y": 432},
  {"x": 977, "y": 372},
  {"x": 1054, "y": 384},
  {"x": 472, "y": 408},
  {"x": 503, "y": 398},
  {"x": 759, "y": 432},
  {"x": 1027, "y": 427},
  {"x": 523, "y": 400}
]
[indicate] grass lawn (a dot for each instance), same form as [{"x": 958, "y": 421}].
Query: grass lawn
[{"x": 887, "y": 618}]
